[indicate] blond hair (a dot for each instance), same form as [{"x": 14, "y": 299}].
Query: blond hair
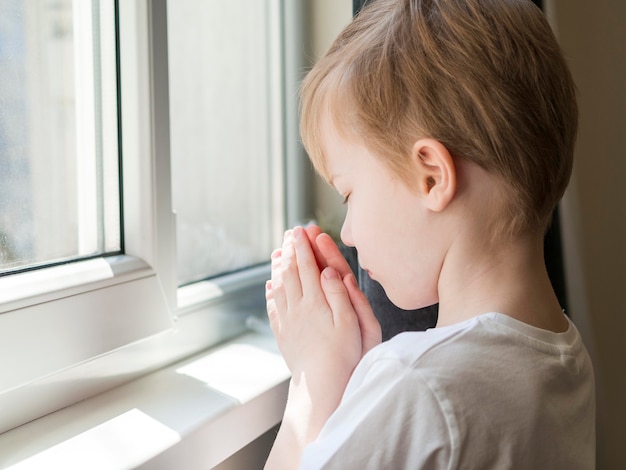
[{"x": 486, "y": 78}]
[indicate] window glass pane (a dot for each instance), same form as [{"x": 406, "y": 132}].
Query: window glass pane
[
  {"x": 59, "y": 179},
  {"x": 222, "y": 105}
]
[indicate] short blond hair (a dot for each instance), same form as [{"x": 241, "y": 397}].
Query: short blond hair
[{"x": 486, "y": 78}]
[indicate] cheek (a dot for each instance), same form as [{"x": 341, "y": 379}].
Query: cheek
[
  {"x": 424, "y": 264},
  {"x": 411, "y": 281},
  {"x": 412, "y": 263},
  {"x": 363, "y": 226},
  {"x": 395, "y": 242}
]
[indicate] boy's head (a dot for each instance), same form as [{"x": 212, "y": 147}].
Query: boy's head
[{"x": 485, "y": 78}]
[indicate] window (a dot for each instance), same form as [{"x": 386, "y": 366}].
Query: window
[
  {"x": 117, "y": 296},
  {"x": 224, "y": 109},
  {"x": 58, "y": 133}
]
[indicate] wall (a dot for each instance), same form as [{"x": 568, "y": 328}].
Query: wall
[{"x": 593, "y": 37}]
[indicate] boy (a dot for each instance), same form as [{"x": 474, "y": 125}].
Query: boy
[{"x": 448, "y": 126}]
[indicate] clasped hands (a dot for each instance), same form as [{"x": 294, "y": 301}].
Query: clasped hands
[{"x": 322, "y": 321}]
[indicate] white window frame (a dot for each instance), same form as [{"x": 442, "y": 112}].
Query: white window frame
[{"x": 72, "y": 331}]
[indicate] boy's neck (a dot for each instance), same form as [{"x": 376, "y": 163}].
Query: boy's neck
[{"x": 509, "y": 278}]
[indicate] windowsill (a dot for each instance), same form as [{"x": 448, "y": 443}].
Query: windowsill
[{"x": 199, "y": 411}]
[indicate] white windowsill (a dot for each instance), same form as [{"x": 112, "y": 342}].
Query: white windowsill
[{"x": 199, "y": 411}]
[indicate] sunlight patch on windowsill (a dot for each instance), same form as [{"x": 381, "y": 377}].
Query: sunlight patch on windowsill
[
  {"x": 125, "y": 441},
  {"x": 241, "y": 371},
  {"x": 180, "y": 413}
]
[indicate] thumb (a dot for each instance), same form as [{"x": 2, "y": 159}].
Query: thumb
[
  {"x": 371, "y": 334},
  {"x": 337, "y": 297}
]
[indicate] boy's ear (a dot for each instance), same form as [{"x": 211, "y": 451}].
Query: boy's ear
[{"x": 436, "y": 173}]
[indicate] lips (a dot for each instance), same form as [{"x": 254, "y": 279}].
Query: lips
[{"x": 363, "y": 268}]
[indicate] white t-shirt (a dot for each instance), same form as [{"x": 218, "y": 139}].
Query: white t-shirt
[{"x": 490, "y": 392}]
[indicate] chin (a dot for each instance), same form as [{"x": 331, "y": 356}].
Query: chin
[
  {"x": 413, "y": 305},
  {"x": 410, "y": 301}
]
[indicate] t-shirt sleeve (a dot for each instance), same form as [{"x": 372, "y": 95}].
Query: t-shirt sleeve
[{"x": 389, "y": 417}]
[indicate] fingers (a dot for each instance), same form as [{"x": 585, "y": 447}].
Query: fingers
[
  {"x": 357, "y": 297},
  {"x": 370, "y": 327},
  {"x": 272, "y": 309},
  {"x": 308, "y": 270},
  {"x": 337, "y": 297},
  {"x": 312, "y": 232},
  {"x": 331, "y": 254},
  {"x": 294, "y": 271},
  {"x": 275, "y": 299},
  {"x": 275, "y": 294},
  {"x": 326, "y": 251},
  {"x": 311, "y": 313},
  {"x": 289, "y": 270}
]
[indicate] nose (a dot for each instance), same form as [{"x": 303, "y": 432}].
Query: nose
[{"x": 346, "y": 231}]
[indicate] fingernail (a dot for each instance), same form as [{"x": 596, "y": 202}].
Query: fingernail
[
  {"x": 352, "y": 280},
  {"x": 330, "y": 273}
]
